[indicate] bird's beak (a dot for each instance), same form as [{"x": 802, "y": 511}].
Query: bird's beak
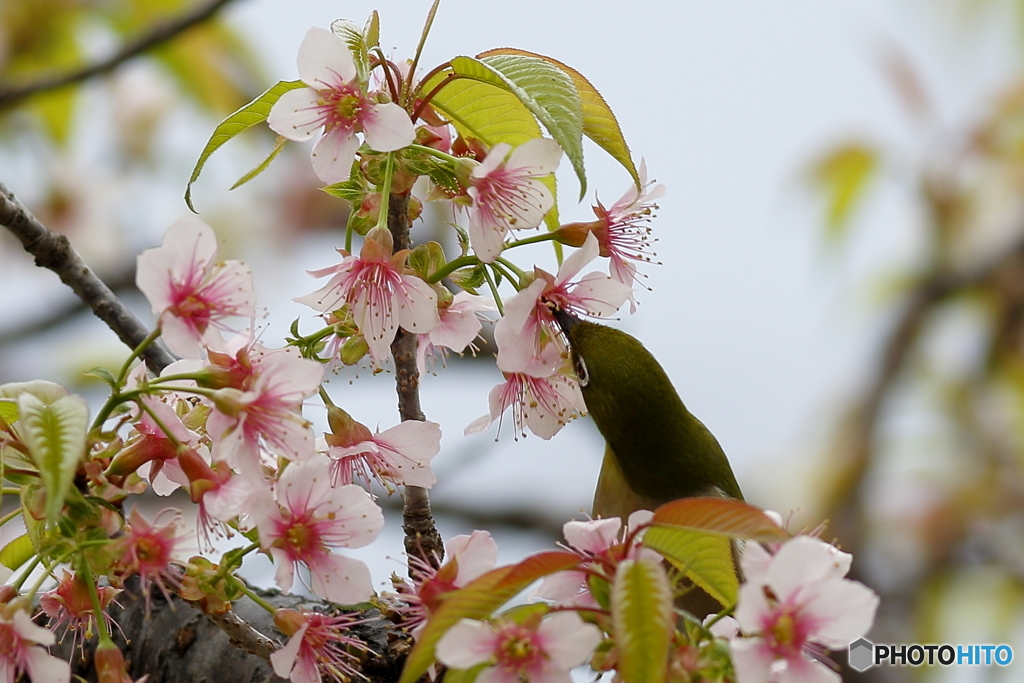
[{"x": 565, "y": 320}]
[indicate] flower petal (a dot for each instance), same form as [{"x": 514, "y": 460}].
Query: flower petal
[
  {"x": 333, "y": 155},
  {"x": 296, "y": 115},
  {"x": 388, "y": 127},
  {"x": 466, "y": 644},
  {"x": 324, "y": 60}
]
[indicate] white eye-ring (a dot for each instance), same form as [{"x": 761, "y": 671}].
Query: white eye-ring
[{"x": 581, "y": 370}]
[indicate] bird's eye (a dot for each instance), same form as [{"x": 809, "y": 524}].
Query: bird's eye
[{"x": 581, "y": 370}]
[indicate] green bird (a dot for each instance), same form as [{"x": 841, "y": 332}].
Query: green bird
[{"x": 655, "y": 449}]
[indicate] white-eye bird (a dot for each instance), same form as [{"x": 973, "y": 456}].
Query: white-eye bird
[{"x": 656, "y": 450}]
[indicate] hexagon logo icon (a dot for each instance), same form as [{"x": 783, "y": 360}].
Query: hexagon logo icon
[{"x": 862, "y": 654}]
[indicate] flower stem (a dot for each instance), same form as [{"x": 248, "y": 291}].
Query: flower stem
[
  {"x": 494, "y": 291},
  {"x": 450, "y": 267},
  {"x": 136, "y": 352},
  {"x": 407, "y": 85},
  {"x": 543, "y": 237},
  {"x": 97, "y": 606},
  {"x": 385, "y": 192},
  {"x": 252, "y": 595}
]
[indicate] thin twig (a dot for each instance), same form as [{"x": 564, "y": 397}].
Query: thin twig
[
  {"x": 55, "y": 252},
  {"x": 10, "y": 94}
]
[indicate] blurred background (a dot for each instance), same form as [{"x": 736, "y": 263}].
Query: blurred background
[{"x": 841, "y": 294}]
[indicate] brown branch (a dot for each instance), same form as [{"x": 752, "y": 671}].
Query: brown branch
[
  {"x": 10, "y": 94},
  {"x": 55, "y": 252},
  {"x": 848, "y": 484},
  {"x": 421, "y": 537}
]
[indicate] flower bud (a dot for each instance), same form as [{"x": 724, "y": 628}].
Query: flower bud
[
  {"x": 288, "y": 621},
  {"x": 345, "y": 431},
  {"x": 109, "y": 664},
  {"x": 229, "y": 401},
  {"x": 353, "y": 350}
]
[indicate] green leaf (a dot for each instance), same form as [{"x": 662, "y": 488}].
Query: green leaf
[
  {"x": 102, "y": 373},
  {"x": 371, "y": 32},
  {"x": 464, "y": 675},
  {"x": 480, "y": 109},
  {"x": 355, "y": 38},
  {"x": 8, "y": 410},
  {"x": 705, "y": 559},
  {"x": 17, "y": 552},
  {"x": 351, "y": 190},
  {"x": 478, "y": 600},
  {"x": 427, "y": 258},
  {"x": 599, "y": 122},
  {"x": 55, "y": 436},
  {"x": 548, "y": 93},
  {"x": 262, "y": 166},
  {"x": 843, "y": 175},
  {"x": 694, "y": 534},
  {"x": 243, "y": 119},
  {"x": 642, "y": 619}
]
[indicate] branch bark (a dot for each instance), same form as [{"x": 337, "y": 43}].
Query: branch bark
[
  {"x": 421, "y": 537},
  {"x": 162, "y": 33},
  {"x": 55, "y": 252}
]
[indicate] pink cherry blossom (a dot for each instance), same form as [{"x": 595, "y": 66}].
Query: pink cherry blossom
[
  {"x": 467, "y": 557},
  {"x": 399, "y": 456},
  {"x": 541, "y": 395},
  {"x": 600, "y": 542},
  {"x": 335, "y": 101},
  {"x": 306, "y": 518},
  {"x": 22, "y": 652},
  {"x": 266, "y": 410},
  {"x": 798, "y": 606},
  {"x": 189, "y": 290},
  {"x": 622, "y": 230},
  {"x": 148, "y": 549},
  {"x": 539, "y": 653},
  {"x": 459, "y": 325},
  {"x": 70, "y": 605},
  {"x": 507, "y": 194},
  {"x": 529, "y": 321},
  {"x": 319, "y": 645},
  {"x": 380, "y": 296}
]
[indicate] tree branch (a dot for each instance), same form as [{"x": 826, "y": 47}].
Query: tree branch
[
  {"x": 11, "y": 94},
  {"x": 848, "y": 484},
  {"x": 55, "y": 252},
  {"x": 421, "y": 537}
]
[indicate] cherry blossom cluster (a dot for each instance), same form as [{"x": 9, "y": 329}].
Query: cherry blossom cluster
[{"x": 228, "y": 424}]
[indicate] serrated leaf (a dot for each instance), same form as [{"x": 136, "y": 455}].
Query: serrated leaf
[
  {"x": 248, "y": 116},
  {"x": 704, "y": 558},
  {"x": 643, "y": 620},
  {"x": 355, "y": 39},
  {"x": 843, "y": 175},
  {"x": 45, "y": 391},
  {"x": 17, "y": 552},
  {"x": 262, "y": 166},
  {"x": 599, "y": 122},
  {"x": 351, "y": 190},
  {"x": 478, "y": 600},
  {"x": 483, "y": 110},
  {"x": 546, "y": 91},
  {"x": 695, "y": 535},
  {"x": 371, "y": 32},
  {"x": 720, "y": 516},
  {"x": 55, "y": 436}
]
